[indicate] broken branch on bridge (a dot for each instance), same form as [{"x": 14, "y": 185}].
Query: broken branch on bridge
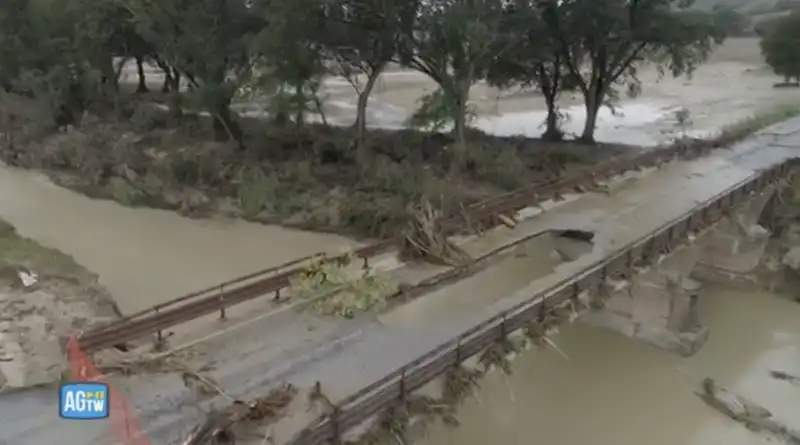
[
  {"x": 424, "y": 238},
  {"x": 218, "y": 425},
  {"x": 335, "y": 290}
]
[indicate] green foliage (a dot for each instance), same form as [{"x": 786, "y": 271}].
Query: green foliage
[
  {"x": 731, "y": 22},
  {"x": 603, "y": 42},
  {"x": 436, "y": 112},
  {"x": 338, "y": 290},
  {"x": 454, "y": 43},
  {"x": 277, "y": 52},
  {"x": 254, "y": 189},
  {"x": 781, "y": 46}
]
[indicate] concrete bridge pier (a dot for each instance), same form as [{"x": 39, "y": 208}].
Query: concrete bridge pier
[
  {"x": 734, "y": 247},
  {"x": 660, "y": 305}
]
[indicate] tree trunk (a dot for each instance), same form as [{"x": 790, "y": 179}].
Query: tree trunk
[
  {"x": 552, "y": 132},
  {"x": 142, "y": 88},
  {"x": 120, "y": 66},
  {"x": 225, "y": 127},
  {"x": 165, "y": 88},
  {"x": 167, "y": 82},
  {"x": 461, "y": 94},
  {"x": 109, "y": 75},
  {"x": 176, "y": 81},
  {"x": 361, "y": 108},
  {"x": 593, "y": 99},
  {"x": 299, "y": 116}
]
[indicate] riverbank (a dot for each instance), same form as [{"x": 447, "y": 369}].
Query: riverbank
[
  {"x": 44, "y": 296},
  {"x": 306, "y": 177}
]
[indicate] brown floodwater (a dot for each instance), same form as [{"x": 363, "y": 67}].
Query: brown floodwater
[
  {"x": 146, "y": 256},
  {"x": 613, "y": 390}
]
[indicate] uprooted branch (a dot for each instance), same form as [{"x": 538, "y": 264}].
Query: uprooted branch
[
  {"x": 218, "y": 425},
  {"x": 425, "y": 238},
  {"x": 785, "y": 376},
  {"x": 754, "y": 416}
]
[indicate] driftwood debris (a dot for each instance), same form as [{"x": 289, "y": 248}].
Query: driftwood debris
[
  {"x": 217, "y": 427},
  {"x": 785, "y": 376},
  {"x": 752, "y": 415},
  {"x": 425, "y": 238}
]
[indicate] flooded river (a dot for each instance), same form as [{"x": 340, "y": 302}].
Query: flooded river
[
  {"x": 145, "y": 256},
  {"x": 617, "y": 391}
]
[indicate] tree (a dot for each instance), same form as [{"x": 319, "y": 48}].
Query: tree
[
  {"x": 731, "y": 22},
  {"x": 361, "y": 39},
  {"x": 42, "y": 57},
  {"x": 781, "y": 46},
  {"x": 603, "y": 43},
  {"x": 454, "y": 43},
  {"x": 532, "y": 59},
  {"x": 207, "y": 42},
  {"x": 290, "y": 56}
]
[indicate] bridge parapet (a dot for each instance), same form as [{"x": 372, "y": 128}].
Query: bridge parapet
[
  {"x": 737, "y": 243},
  {"x": 658, "y": 306}
]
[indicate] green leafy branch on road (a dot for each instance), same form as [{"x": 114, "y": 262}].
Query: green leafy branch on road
[{"x": 341, "y": 290}]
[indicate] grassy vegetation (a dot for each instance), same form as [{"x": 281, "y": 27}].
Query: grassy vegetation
[
  {"x": 307, "y": 177},
  {"x": 19, "y": 252},
  {"x": 759, "y": 121}
]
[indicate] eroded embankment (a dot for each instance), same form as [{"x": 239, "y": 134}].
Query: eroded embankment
[{"x": 44, "y": 296}]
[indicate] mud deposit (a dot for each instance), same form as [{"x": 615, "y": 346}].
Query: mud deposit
[
  {"x": 616, "y": 391},
  {"x": 43, "y": 295}
]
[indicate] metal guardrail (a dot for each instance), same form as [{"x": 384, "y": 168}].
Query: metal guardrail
[
  {"x": 272, "y": 281},
  {"x": 396, "y": 387}
]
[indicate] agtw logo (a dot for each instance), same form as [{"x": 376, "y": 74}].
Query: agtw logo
[{"x": 83, "y": 401}]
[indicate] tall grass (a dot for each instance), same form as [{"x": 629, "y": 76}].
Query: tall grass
[{"x": 760, "y": 121}]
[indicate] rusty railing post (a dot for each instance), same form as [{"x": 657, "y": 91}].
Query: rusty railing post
[
  {"x": 159, "y": 335},
  {"x": 403, "y": 386},
  {"x": 337, "y": 433},
  {"x": 222, "y": 302}
]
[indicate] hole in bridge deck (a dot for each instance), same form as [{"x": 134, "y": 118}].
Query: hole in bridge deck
[
  {"x": 552, "y": 248},
  {"x": 526, "y": 262}
]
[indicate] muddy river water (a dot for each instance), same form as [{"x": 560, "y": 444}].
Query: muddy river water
[
  {"x": 145, "y": 256},
  {"x": 616, "y": 391}
]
